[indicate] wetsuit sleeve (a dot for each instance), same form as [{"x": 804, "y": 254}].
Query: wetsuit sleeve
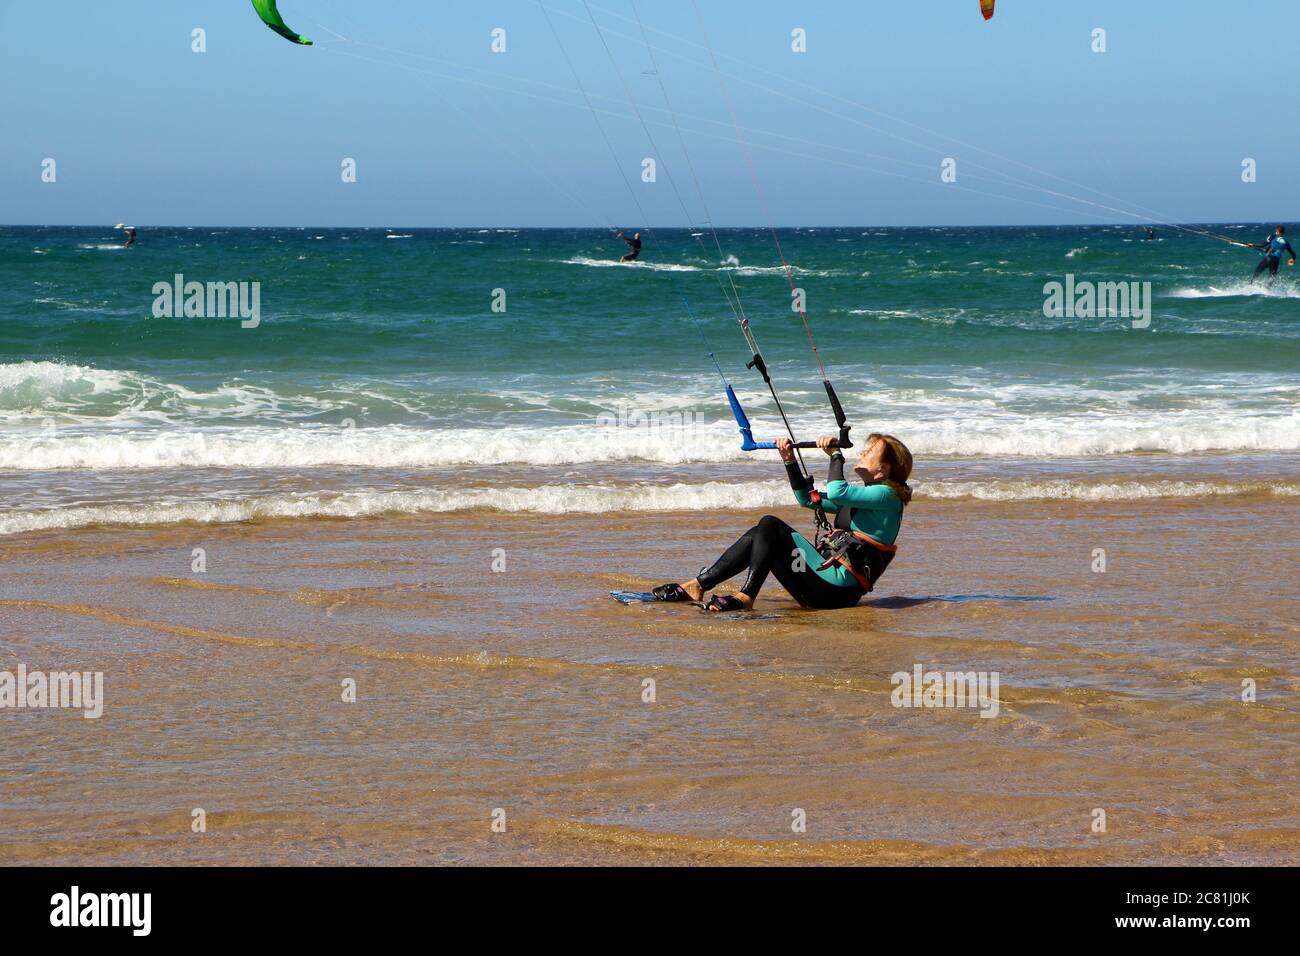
[
  {"x": 836, "y": 470},
  {"x": 797, "y": 484},
  {"x": 834, "y": 473},
  {"x": 1289, "y": 251},
  {"x": 800, "y": 488},
  {"x": 872, "y": 497}
]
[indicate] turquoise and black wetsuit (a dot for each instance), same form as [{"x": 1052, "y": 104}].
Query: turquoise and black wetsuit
[
  {"x": 769, "y": 546},
  {"x": 1273, "y": 250}
]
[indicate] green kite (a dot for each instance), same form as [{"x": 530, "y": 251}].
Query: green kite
[{"x": 271, "y": 17}]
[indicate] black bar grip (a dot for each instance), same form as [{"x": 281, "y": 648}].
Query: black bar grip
[{"x": 835, "y": 443}]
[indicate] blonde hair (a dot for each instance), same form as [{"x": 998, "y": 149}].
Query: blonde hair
[{"x": 899, "y": 460}]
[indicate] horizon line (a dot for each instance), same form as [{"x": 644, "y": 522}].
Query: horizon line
[{"x": 690, "y": 228}]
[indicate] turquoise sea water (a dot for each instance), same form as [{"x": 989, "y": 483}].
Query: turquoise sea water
[{"x": 380, "y": 378}]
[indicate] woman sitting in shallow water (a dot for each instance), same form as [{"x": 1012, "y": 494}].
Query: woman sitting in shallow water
[{"x": 867, "y": 520}]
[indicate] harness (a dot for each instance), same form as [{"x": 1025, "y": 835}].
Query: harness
[{"x": 851, "y": 548}]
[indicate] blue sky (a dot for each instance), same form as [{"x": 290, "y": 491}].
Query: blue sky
[{"x": 447, "y": 133}]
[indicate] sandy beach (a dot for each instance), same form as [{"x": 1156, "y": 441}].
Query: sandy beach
[{"x": 522, "y": 691}]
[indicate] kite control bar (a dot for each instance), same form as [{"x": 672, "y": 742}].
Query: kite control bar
[
  {"x": 747, "y": 442},
  {"x": 755, "y": 446}
]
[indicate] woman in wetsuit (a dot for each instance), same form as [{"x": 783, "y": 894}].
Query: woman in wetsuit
[{"x": 867, "y": 520}]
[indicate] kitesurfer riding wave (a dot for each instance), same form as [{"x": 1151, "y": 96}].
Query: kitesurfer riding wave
[
  {"x": 634, "y": 245},
  {"x": 1273, "y": 247}
]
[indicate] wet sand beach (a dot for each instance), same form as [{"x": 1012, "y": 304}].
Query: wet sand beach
[{"x": 523, "y": 690}]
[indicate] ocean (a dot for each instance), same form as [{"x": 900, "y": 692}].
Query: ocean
[{"x": 380, "y": 378}]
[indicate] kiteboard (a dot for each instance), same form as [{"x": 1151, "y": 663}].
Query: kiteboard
[{"x": 632, "y": 597}]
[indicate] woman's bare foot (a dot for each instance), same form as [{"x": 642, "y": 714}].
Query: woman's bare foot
[{"x": 692, "y": 587}]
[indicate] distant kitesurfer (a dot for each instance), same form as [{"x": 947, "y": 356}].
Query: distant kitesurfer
[
  {"x": 1273, "y": 247},
  {"x": 866, "y": 518},
  {"x": 1150, "y": 234},
  {"x": 634, "y": 244},
  {"x": 130, "y": 235}
]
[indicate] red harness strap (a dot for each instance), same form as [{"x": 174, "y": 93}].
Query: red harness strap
[
  {"x": 873, "y": 542},
  {"x": 862, "y": 578},
  {"x": 848, "y": 565}
]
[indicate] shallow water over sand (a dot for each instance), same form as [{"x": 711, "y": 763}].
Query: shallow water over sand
[{"x": 523, "y": 691}]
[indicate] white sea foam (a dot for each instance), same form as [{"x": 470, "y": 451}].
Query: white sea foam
[
  {"x": 36, "y": 385},
  {"x": 1276, "y": 290},
  {"x": 1128, "y": 490},
  {"x": 54, "y": 415},
  {"x": 653, "y": 266},
  {"x": 399, "y": 446},
  {"x": 729, "y": 265},
  {"x": 779, "y": 270},
  {"x": 544, "y": 499},
  {"x": 392, "y": 446},
  {"x": 60, "y": 393},
  {"x": 559, "y": 499},
  {"x": 1176, "y": 431}
]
